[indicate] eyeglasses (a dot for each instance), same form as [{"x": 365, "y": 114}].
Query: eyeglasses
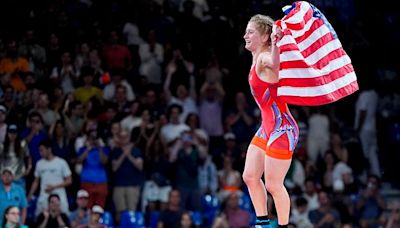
[{"x": 14, "y": 213}]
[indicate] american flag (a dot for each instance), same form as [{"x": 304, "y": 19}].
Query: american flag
[{"x": 314, "y": 68}]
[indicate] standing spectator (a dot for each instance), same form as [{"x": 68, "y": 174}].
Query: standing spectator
[
  {"x": 157, "y": 185},
  {"x": 12, "y": 218},
  {"x": 141, "y": 134},
  {"x": 237, "y": 217},
  {"x": 13, "y": 65},
  {"x": 117, "y": 79},
  {"x": 53, "y": 175},
  {"x": 185, "y": 97},
  {"x": 81, "y": 215},
  {"x": 11, "y": 195},
  {"x": 82, "y": 57},
  {"x": 174, "y": 128},
  {"x": 171, "y": 216},
  {"x": 94, "y": 157},
  {"x": 229, "y": 179},
  {"x": 132, "y": 120},
  {"x": 87, "y": 91},
  {"x": 52, "y": 216},
  {"x": 33, "y": 52},
  {"x": 14, "y": 155},
  {"x": 128, "y": 176},
  {"x": 152, "y": 56},
  {"x": 240, "y": 120},
  {"x": 318, "y": 135},
  {"x": 60, "y": 141},
  {"x": 3, "y": 124},
  {"x": 299, "y": 214},
  {"x": 187, "y": 164},
  {"x": 325, "y": 216},
  {"x": 370, "y": 204},
  {"x": 212, "y": 95},
  {"x": 365, "y": 125},
  {"x": 48, "y": 115},
  {"x": 116, "y": 56},
  {"x": 65, "y": 75},
  {"x": 311, "y": 195},
  {"x": 208, "y": 181},
  {"x": 33, "y": 135}
]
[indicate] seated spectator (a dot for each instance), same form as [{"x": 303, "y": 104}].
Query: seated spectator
[
  {"x": 48, "y": 115},
  {"x": 171, "y": 216},
  {"x": 229, "y": 180},
  {"x": 65, "y": 75},
  {"x": 54, "y": 175},
  {"x": 81, "y": 215},
  {"x": 11, "y": 218},
  {"x": 128, "y": 176},
  {"x": 11, "y": 195},
  {"x": 325, "y": 216},
  {"x": 237, "y": 217},
  {"x": 94, "y": 157},
  {"x": 95, "y": 217},
  {"x": 14, "y": 154},
  {"x": 52, "y": 216}
]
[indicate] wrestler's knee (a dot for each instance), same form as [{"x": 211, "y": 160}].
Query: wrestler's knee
[
  {"x": 273, "y": 187},
  {"x": 250, "y": 178}
]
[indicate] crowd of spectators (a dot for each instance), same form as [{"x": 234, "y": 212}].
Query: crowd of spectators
[{"x": 113, "y": 110}]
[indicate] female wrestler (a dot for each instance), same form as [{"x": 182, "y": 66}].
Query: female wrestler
[{"x": 270, "y": 151}]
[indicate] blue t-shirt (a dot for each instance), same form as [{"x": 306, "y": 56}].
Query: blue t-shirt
[
  {"x": 15, "y": 197},
  {"x": 127, "y": 174},
  {"x": 34, "y": 144},
  {"x": 93, "y": 171}
]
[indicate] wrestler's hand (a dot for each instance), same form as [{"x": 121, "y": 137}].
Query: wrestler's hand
[{"x": 276, "y": 35}]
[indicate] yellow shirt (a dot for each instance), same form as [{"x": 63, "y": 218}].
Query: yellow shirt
[{"x": 84, "y": 94}]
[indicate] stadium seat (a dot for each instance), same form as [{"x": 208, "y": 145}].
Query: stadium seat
[
  {"x": 132, "y": 219},
  {"x": 154, "y": 219},
  {"x": 197, "y": 218},
  {"x": 107, "y": 219}
]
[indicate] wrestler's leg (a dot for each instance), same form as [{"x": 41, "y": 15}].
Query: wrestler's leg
[
  {"x": 275, "y": 172},
  {"x": 253, "y": 170}
]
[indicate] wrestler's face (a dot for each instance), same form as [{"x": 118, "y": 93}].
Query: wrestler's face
[{"x": 253, "y": 38}]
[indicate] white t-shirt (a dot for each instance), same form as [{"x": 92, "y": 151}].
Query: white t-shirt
[
  {"x": 52, "y": 172},
  {"x": 318, "y": 127},
  {"x": 170, "y": 132},
  {"x": 367, "y": 101},
  {"x": 130, "y": 122},
  {"x": 109, "y": 91}
]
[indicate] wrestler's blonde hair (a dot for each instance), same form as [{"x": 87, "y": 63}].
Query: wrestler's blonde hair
[{"x": 263, "y": 24}]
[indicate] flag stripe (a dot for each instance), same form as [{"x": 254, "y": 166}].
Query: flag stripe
[
  {"x": 317, "y": 81},
  {"x": 318, "y": 90},
  {"x": 323, "y": 99}
]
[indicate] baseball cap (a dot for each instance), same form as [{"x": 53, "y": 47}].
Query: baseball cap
[
  {"x": 82, "y": 193},
  {"x": 7, "y": 169},
  {"x": 12, "y": 128},
  {"x": 3, "y": 108},
  {"x": 229, "y": 136},
  {"x": 97, "y": 209}
]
